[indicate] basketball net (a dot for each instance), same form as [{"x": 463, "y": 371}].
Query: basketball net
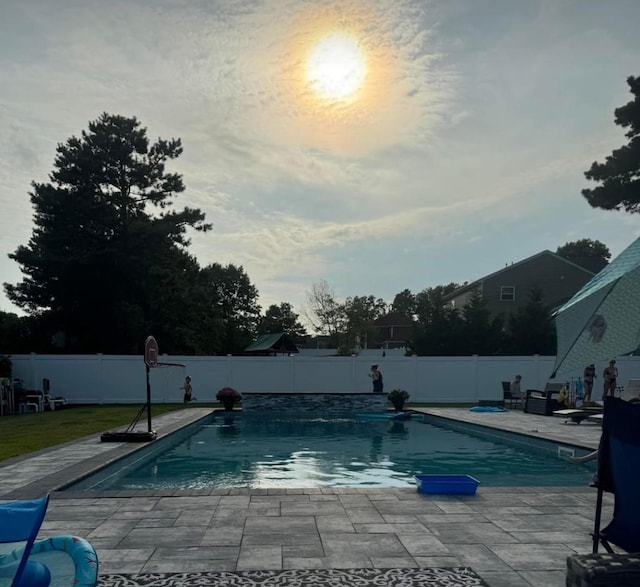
[{"x": 166, "y": 380}]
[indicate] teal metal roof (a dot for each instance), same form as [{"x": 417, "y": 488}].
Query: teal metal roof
[{"x": 278, "y": 342}]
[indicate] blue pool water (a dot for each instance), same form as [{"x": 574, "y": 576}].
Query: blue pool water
[{"x": 268, "y": 451}]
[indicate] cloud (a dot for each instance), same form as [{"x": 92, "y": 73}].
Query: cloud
[{"x": 469, "y": 119}]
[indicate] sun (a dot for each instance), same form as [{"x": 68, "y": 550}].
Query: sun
[{"x": 336, "y": 67}]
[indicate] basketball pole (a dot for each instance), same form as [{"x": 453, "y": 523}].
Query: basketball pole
[
  {"x": 151, "y": 353},
  {"x": 148, "y": 400}
]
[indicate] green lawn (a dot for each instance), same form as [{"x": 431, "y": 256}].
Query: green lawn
[{"x": 25, "y": 433}]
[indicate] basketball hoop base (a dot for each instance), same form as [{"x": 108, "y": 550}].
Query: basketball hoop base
[{"x": 128, "y": 436}]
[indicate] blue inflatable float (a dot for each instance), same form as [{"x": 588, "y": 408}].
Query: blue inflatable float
[
  {"x": 48, "y": 561},
  {"x": 487, "y": 409}
]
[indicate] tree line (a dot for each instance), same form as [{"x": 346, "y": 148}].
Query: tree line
[
  {"x": 439, "y": 329},
  {"x": 108, "y": 263},
  {"x": 108, "y": 260}
]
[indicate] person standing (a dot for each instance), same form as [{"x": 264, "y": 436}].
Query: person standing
[
  {"x": 588, "y": 376},
  {"x": 515, "y": 387},
  {"x": 610, "y": 376},
  {"x": 188, "y": 390},
  {"x": 376, "y": 378}
]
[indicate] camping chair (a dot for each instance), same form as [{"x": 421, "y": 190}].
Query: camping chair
[
  {"x": 66, "y": 560},
  {"x": 618, "y": 473},
  {"x": 507, "y": 396}
]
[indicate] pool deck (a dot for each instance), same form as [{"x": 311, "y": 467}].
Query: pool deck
[{"x": 515, "y": 537}]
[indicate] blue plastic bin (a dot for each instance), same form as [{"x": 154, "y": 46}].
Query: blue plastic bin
[{"x": 447, "y": 484}]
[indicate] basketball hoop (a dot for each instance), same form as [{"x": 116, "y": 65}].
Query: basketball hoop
[
  {"x": 151, "y": 352},
  {"x": 130, "y": 434}
]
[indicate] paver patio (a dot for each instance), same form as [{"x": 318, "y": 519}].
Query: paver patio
[{"x": 509, "y": 536}]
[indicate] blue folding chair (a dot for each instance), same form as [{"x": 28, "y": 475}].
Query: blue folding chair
[
  {"x": 619, "y": 473},
  {"x": 61, "y": 560},
  {"x": 19, "y": 525}
]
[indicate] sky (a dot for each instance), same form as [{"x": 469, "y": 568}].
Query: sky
[{"x": 377, "y": 145}]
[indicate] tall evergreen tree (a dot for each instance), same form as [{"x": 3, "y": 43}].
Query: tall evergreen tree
[
  {"x": 620, "y": 174},
  {"x": 481, "y": 334},
  {"x": 102, "y": 222},
  {"x": 532, "y": 328},
  {"x": 439, "y": 326}
]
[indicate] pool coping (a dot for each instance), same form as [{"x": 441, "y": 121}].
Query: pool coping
[{"x": 556, "y": 433}]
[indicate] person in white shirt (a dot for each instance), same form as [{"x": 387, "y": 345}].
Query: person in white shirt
[{"x": 515, "y": 389}]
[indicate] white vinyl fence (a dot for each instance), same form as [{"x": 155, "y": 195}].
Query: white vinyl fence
[{"x": 101, "y": 379}]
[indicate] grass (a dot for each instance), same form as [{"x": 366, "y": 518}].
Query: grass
[{"x": 25, "y": 433}]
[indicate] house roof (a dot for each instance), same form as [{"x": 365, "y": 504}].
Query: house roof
[
  {"x": 477, "y": 282},
  {"x": 278, "y": 342}
]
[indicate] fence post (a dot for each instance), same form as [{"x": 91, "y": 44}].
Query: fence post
[
  {"x": 475, "y": 377},
  {"x": 354, "y": 375},
  {"x": 539, "y": 385},
  {"x": 100, "y": 377},
  {"x": 32, "y": 371},
  {"x": 229, "y": 382}
]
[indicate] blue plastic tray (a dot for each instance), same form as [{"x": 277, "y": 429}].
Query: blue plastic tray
[{"x": 447, "y": 484}]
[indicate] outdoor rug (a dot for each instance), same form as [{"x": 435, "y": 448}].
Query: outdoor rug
[{"x": 430, "y": 577}]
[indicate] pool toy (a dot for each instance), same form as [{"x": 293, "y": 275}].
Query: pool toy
[
  {"x": 56, "y": 561},
  {"x": 487, "y": 409},
  {"x": 447, "y": 484}
]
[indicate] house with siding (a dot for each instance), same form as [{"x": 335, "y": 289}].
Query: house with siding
[
  {"x": 508, "y": 289},
  {"x": 394, "y": 331}
]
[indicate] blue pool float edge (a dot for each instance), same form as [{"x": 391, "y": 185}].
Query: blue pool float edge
[{"x": 487, "y": 409}]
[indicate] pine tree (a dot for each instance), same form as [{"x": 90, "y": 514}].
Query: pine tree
[
  {"x": 102, "y": 222},
  {"x": 620, "y": 175}
]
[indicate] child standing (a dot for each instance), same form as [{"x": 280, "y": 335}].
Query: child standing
[{"x": 188, "y": 391}]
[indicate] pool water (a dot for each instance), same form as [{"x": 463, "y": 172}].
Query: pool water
[{"x": 269, "y": 451}]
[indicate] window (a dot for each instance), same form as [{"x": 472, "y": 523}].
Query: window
[{"x": 507, "y": 293}]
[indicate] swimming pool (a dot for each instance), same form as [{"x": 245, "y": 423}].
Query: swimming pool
[{"x": 282, "y": 450}]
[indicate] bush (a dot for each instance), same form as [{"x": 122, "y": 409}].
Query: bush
[
  {"x": 228, "y": 393},
  {"x": 398, "y": 396}
]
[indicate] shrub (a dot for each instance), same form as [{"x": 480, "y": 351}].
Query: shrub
[
  {"x": 398, "y": 396},
  {"x": 228, "y": 393}
]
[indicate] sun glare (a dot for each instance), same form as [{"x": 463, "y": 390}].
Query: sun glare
[{"x": 336, "y": 67}]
